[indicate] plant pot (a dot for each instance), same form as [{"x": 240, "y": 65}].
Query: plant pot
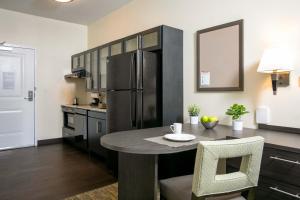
[
  {"x": 194, "y": 119},
  {"x": 237, "y": 125}
]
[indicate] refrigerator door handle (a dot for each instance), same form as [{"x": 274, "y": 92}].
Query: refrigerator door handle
[
  {"x": 139, "y": 69},
  {"x": 133, "y": 110},
  {"x": 130, "y": 74},
  {"x": 132, "y": 71}
]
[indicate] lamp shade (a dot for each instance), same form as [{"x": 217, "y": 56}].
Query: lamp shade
[{"x": 275, "y": 60}]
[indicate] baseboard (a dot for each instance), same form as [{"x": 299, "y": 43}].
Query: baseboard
[
  {"x": 279, "y": 128},
  {"x": 49, "y": 141}
]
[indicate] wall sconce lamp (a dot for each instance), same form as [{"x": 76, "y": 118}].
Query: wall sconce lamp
[{"x": 278, "y": 63}]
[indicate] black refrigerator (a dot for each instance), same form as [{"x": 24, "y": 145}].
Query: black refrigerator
[{"x": 133, "y": 91}]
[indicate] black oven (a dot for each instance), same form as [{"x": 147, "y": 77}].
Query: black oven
[
  {"x": 75, "y": 126},
  {"x": 70, "y": 120},
  {"x": 69, "y": 117}
]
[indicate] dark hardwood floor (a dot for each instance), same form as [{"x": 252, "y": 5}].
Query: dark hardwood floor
[{"x": 49, "y": 172}]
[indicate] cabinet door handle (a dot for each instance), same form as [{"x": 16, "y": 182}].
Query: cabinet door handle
[
  {"x": 98, "y": 127},
  {"x": 285, "y": 160},
  {"x": 297, "y": 196}
]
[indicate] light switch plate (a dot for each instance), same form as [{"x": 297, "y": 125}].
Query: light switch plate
[{"x": 263, "y": 115}]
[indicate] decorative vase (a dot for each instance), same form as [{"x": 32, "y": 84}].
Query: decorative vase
[
  {"x": 237, "y": 125},
  {"x": 194, "y": 119}
]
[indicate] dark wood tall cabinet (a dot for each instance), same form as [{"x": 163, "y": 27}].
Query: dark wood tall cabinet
[{"x": 172, "y": 75}]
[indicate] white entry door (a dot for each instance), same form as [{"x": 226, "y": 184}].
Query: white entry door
[{"x": 16, "y": 97}]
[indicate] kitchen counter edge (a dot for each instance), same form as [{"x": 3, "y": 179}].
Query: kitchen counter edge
[{"x": 86, "y": 107}]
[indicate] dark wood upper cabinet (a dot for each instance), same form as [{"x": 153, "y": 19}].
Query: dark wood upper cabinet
[
  {"x": 81, "y": 60},
  {"x": 78, "y": 62},
  {"x": 151, "y": 39},
  {"x": 131, "y": 43},
  {"x": 75, "y": 62},
  {"x": 116, "y": 48},
  {"x": 95, "y": 69},
  {"x": 104, "y": 53},
  {"x": 88, "y": 68}
]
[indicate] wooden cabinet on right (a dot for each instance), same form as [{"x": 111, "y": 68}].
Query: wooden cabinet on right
[{"x": 279, "y": 174}]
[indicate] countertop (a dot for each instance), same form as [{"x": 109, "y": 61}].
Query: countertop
[
  {"x": 134, "y": 141},
  {"x": 86, "y": 107}
]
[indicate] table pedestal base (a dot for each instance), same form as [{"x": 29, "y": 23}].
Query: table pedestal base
[{"x": 138, "y": 177}]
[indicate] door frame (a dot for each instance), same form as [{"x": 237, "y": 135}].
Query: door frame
[{"x": 35, "y": 88}]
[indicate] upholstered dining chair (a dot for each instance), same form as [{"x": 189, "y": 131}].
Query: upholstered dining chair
[{"x": 206, "y": 183}]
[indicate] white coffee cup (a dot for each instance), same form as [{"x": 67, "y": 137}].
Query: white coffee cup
[{"x": 176, "y": 128}]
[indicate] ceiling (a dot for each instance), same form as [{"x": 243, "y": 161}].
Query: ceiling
[{"x": 79, "y": 11}]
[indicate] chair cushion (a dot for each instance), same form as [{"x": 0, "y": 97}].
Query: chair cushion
[
  {"x": 180, "y": 188},
  {"x": 177, "y": 188}
]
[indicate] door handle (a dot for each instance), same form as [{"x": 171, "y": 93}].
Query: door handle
[{"x": 30, "y": 96}]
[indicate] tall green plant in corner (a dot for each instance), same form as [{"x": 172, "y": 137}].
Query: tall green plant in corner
[
  {"x": 194, "y": 111},
  {"x": 236, "y": 111}
]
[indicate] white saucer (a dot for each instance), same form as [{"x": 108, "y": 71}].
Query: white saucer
[{"x": 179, "y": 137}]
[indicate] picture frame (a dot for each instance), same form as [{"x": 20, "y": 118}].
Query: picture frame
[{"x": 220, "y": 62}]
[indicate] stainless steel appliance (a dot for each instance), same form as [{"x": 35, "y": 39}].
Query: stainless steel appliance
[
  {"x": 94, "y": 102},
  {"x": 75, "y": 126},
  {"x": 70, "y": 120},
  {"x": 133, "y": 82},
  {"x": 77, "y": 74}
]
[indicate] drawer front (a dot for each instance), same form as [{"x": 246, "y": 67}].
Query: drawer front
[
  {"x": 66, "y": 132},
  {"x": 80, "y": 111},
  {"x": 99, "y": 115},
  {"x": 281, "y": 165},
  {"x": 269, "y": 189},
  {"x": 67, "y": 109}
]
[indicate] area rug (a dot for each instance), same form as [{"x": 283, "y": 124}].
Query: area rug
[{"x": 109, "y": 192}]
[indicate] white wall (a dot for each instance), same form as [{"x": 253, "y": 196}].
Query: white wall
[
  {"x": 55, "y": 42},
  {"x": 267, "y": 23}
]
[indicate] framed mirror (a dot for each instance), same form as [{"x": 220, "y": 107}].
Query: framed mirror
[{"x": 220, "y": 65}]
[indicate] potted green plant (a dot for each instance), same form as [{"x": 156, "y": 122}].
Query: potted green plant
[
  {"x": 194, "y": 111},
  {"x": 236, "y": 111}
]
